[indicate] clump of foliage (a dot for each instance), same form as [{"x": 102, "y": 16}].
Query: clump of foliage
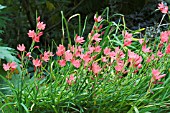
[{"x": 110, "y": 70}]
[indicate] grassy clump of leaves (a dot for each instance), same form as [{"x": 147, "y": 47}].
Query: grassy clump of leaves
[{"x": 109, "y": 72}]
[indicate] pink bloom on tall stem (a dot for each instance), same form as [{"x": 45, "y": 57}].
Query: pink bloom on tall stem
[
  {"x": 79, "y": 39},
  {"x": 6, "y": 67},
  {"x": 68, "y": 55},
  {"x": 127, "y": 38},
  {"x": 134, "y": 59},
  {"x": 36, "y": 39},
  {"x": 112, "y": 55},
  {"x": 119, "y": 52},
  {"x": 34, "y": 36},
  {"x": 127, "y": 42},
  {"x": 127, "y": 35},
  {"x": 60, "y": 50},
  {"x": 21, "y": 47},
  {"x": 163, "y": 8},
  {"x": 46, "y": 56},
  {"x": 31, "y": 33},
  {"x": 29, "y": 54},
  {"x": 97, "y": 49},
  {"x": 168, "y": 49},
  {"x": 41, "y": 25},
  {"x": 91, "y": 49},
  {"x": 156, "y": 75},
  {"x": 97, "y": 19},
  {"x": 96, "y": 68},
  {"x": 96, "y": 37},
  {"x": 86, "y": 57},
  {"x": 76, "y": 63},
  {"x": 144, "y": 49},
  {"x": 37, "y": 62},
  {"x": 62, "y": 63},
  {"x": 107, "y": 51}
]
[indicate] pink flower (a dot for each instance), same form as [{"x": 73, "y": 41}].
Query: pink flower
[
  {"x": 77, "y": 53},
  {"x": 31, "y": 33},
  {"x": 29, "y": 54},
  {"x": 104, "y": 59},
  {"x": 112, "y": 55},
  {"x": 91, "y": 49},
  {"x": 120, "y": 65},
  {"x": 163, "y": 8},
  {"x": 85, "y": 57},
  {"x": 141, "y": 41},
  {"x": 34, "y": 36},
  {"x": 79, "y": 39},
  {"x": 80, "y": 49},
  {"x": 61, "y": 50},
  {"x": 96, "y": 37},
  {"x": 134, "y": 59},
  {"x": 131, "y": 54},
  {"x": 164, "y": 36},
  {"x": 119, "y": 52},
  {"x": 68, "y": 55},
  {"x": 21, "y": 47},
  {"x": 97, "y": 19},
  {"x": 96, "y": 68},
  {"x": 47, "y": 55},
  {"x": 168, "y": 49},
  {"x": 76, "y": 63},
  {"x": 41, "y": 25},
  {"x": 36, "y": 39},
  {"x": 45, "y": 58},
  {"x": 97, "y": 49},
  {"x": 13, "y": 65},
  {"x": 37, "y": 62},
  {"x": 127, "y": 42},
  {"x": 9, "y": 66},
  {"x": 6, "y": 66},
  {"x": 159, "y": 53},
  {"x": 62, "y": 63},
  {"x": 70, "y": 79},
  {"x": 71, "y": 47},
  {"x": 144, "y": 49},
  {"x": 156, "y": 75},
  {"x": 107, "y": 51},
  {"x": 127, "y": 38},
  {"x": 127, "y": 35}
]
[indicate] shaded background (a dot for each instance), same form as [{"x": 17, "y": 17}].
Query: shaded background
[{"x": 19, "y": 16}]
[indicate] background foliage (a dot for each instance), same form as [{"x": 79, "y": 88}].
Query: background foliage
[{"x": 21, "y": 16}]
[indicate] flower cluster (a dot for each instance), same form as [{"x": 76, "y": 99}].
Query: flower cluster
[
  {"x": 92, "y": 56},
  {"x": 36, "y": 35},
  {"x": 10, "y": 66}
]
